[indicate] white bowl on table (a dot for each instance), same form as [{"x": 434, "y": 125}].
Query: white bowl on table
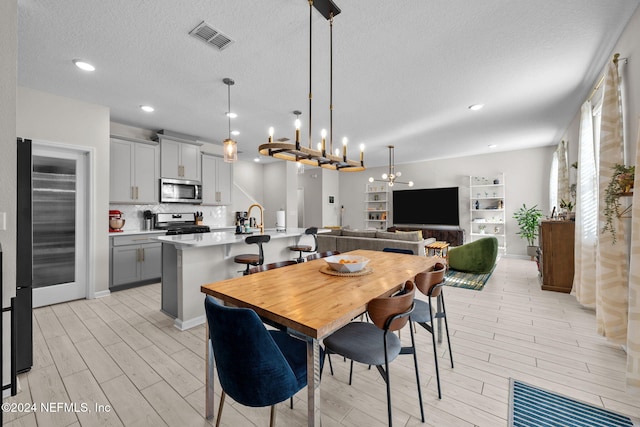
[{"x": 349, "y": 264}]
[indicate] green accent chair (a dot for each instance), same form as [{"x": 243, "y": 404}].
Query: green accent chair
[{"x": 478, "y": 256}]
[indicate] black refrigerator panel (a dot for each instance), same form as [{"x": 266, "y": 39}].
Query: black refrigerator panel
[
  {"x": 24, "y": 220},
  {"x": 24, "y": 258},
  {"x": 24, "y": 330}
]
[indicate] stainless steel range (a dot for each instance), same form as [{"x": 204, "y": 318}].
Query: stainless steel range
[{"x": 179, "y": 223}]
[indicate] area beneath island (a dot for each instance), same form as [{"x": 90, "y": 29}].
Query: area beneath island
[{"x": 191, "y": 260}]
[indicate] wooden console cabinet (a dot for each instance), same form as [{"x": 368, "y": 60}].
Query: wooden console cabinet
[{"x": 556, "y": 255}]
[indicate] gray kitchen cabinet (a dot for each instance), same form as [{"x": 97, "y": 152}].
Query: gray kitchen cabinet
[
  {"x": 179, "y": 160},
  {"x": 134, "y": 171},
  {"x": 135, "y": 260},
  {"x": 217, "y": 179}
]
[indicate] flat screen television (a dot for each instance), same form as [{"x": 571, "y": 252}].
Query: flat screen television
[{"x": 427, "y": 206}]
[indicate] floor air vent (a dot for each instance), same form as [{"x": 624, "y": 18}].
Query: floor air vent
[{"x": 211, "y": 36}]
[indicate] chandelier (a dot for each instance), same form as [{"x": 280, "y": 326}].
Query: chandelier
[
  {"x": 390, "y": 178},
  {"x": 230, "y": 146},
  {"x": 321, "y": 155}
]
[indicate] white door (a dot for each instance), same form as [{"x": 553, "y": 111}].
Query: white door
[{"x": 60, "y": 218}]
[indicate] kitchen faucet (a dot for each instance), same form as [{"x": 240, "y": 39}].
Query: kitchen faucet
[{"x": 259, "y": 206}]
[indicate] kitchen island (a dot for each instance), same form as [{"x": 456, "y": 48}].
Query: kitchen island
[{"x": 191, "y": 260}]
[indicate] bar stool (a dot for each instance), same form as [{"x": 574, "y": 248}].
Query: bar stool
[
  {"x": 252, "y": 259},
  {"x": 306, "y": 248}
]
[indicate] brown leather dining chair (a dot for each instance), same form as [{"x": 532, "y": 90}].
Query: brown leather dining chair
[
  {"x": 430, "y": 283},
  {"x": 271, "y": 266},
  {"x": 375, "y": 343},
  {"x": 322, "y": 255}
]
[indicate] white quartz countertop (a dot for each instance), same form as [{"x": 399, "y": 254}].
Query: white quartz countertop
[
  {"x": 130, "y": 232},
  {"x": 226, "y": 237}
]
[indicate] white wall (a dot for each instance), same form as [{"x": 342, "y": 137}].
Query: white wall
[
  {"x": 628, "y": 46},
  {"x": 53, "y": 118},
  {"x": 526, "y": 181},
  {"x": 8, "y": 64}
]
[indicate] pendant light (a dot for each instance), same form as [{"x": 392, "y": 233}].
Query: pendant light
[
  {"x": 391, "y": 177},
  {"x": 321, "y": 157},
  {"x": 230, "y": 146}
]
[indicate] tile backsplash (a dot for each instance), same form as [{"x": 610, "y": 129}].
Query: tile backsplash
[{"x": 213, "y": 216}]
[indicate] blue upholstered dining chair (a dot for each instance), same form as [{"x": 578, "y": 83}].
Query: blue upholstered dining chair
[
  {"x": 375, "y": 343},
  {"x": 256, "y": 367},
  {"x": 398, "y": 251},
  {"x": 430, "y": 283}
]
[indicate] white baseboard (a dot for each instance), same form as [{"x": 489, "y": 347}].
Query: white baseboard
[
  {"x": 184, "y": 325},
  {"x": 101, "y": 294}
]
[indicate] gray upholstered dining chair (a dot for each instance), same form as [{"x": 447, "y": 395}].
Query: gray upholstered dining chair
[
  {"x": 430, "y": 283},
  {"x": 375, "y": 343}
]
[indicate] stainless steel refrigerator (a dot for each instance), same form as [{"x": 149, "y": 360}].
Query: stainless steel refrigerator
[{"x": 24, "y": 259}]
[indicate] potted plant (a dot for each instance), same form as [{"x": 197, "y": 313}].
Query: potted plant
[
  {"x": 528, "y": 221},
  {"x": 621, "y": 183},
  {"x": 568, "y": 207}
]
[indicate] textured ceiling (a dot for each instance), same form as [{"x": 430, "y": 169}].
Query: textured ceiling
[{"x": 404, "y": 72}]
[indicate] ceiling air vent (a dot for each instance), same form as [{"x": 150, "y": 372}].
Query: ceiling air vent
[{"x": 211, "y": 36}]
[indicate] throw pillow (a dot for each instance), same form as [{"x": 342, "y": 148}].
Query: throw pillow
[
  {"x": 412, "y": 236},
  {"x": 361, "y": 233}
]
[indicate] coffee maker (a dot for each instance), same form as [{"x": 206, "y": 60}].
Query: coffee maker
[{"x": 241, "y": 219}]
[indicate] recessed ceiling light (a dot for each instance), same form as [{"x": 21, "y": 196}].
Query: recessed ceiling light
[
  {"x": 476, "y": 107},
  {"x": 84, "y": 65},
  {"x": 235, "y": 132},
  {"x": 232, "y": 115},
  {"x": 492, "y": 145},
  {"x": 147, "y": 108},
  {"x": 257, "y": 159}
]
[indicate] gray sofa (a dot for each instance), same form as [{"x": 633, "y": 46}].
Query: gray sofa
[{"x": 349, "y": 240}]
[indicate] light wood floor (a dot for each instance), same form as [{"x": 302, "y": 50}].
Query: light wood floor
[{"x": 121, "y": 351}]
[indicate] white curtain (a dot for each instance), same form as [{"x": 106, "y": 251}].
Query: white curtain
[
  {"x": 633, "y": 333},
  {"x": 584, "y": 282},
  {"x": 563, "y": 174},
  {"x": 611, "y": 259},
  {"x": 553, "y": 183}
]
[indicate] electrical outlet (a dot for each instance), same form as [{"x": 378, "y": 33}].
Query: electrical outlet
[{"x": 3, "y": 221}]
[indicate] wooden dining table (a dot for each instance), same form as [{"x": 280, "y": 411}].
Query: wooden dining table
[{"x": 312, "y": 304}]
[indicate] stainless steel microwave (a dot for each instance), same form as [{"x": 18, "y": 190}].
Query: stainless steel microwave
[{"x": 180, "y": 191}]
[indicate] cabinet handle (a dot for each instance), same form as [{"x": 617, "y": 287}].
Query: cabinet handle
[
  {"x": 180, "y": 170},
  {"x": 138, "y": 255},
  {"x": 136, "y": 192},
  {"x": 133, "y": 194},
  {"x": 142, "y": 255}
]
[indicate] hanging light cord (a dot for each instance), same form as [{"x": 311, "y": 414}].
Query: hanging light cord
[
  {"x": 229, "y": 83},
  {"x": 331, "y": 83},
  {"x": 392, "y": 175},
  {"x": 310, "y": 62}
]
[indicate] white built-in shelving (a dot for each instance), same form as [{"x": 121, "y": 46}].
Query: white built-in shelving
[
  {"x": 376, "y": 206},
  {"x": 487, "y": 209}
]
